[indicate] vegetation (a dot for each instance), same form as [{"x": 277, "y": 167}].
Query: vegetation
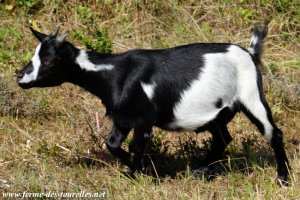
[{"x": 49, "y": 140}]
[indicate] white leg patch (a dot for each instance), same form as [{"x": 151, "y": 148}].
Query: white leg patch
[
  {"x": 85, "y": 64},
  {"x": 36, "y": 63},
  {"x": 149, "y": 89}
]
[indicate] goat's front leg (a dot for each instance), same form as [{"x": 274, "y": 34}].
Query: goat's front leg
[
  {"x": 137, "y": 146},
  {"x": 114, "y": 143}
]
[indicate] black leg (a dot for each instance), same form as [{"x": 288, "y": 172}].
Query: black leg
[
  {"x": 220, "y": 135},
  {"x": 282, "y": 160},
  {"x": 114, "y": 143},
  {"x": 221, "y": 138},
  {"x": 275, "y": 137},
  {"x": 137, "y": 146}
]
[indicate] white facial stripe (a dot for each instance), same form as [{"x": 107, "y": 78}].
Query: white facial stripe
[
  {"x": 84, "y": 63},
  {"x": 27, "y": 78},
  {"x": 148, "y": 89},
  {"x": 36, "y": 63}
]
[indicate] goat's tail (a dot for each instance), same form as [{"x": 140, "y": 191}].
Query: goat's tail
[{"x": 257, "y": 40}]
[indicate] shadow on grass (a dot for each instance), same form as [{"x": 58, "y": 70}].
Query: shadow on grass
[
  {"x": 93, "y": 159},
  {"x": 188, "y": 155}
]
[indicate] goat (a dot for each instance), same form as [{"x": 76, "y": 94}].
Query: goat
[{"x": 194, "y": 87}]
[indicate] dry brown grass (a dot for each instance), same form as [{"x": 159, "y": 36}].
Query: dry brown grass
[{"x": 45, "y": 139}]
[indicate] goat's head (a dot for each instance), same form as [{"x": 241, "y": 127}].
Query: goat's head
[{"x": 46, "y": 66}]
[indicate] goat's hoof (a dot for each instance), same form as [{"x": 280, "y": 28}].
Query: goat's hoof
[
  {"x": 283, "y": 181},
  {"x": 135, "y": 169},
  {"x": 147, "y": 167},
  {"x": 139, "y": 167},
  {"x": 128, "y": 174},
  {"x": 204, "y": 172}
]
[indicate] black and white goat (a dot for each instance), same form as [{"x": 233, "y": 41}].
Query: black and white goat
[{"x": 194, "y": 87}]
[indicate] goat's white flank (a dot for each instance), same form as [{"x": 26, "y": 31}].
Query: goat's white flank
[
  {"x": 36, "y": 63},
  {"x": 215, "y": 81},
  {"x": 149, "y": 89},
  {"x": 227, "y": 76},
  {"x": 248, "y": 92},
  {"x": 85, "y": 64}
]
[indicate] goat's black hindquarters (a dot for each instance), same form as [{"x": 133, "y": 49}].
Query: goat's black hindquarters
[
  {"x": 114, "y": 143},
  {"x": 220, "y": 139},
  {"x": 140, "y": 139}
]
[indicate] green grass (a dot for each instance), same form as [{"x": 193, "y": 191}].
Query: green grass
[{"x": 46, "y": 143}]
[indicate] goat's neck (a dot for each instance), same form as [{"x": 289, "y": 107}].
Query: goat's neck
[{"x": 95, "y": 78}]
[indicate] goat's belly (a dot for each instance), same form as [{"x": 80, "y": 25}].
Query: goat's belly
[
  {"x": 193, "y": 117},
  {"x": 197, "y": 110}
]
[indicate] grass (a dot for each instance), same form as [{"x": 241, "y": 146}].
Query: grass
[{"x": 46, "y": 143}]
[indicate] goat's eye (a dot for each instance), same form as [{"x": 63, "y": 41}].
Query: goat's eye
[{"x": 48, "y": 62}]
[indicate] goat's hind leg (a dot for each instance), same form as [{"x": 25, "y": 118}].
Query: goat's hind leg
[
  {"x": 258, "y": 111},
  {"x": 220, "y": 139},
  {"x": 220, "y": 134}
]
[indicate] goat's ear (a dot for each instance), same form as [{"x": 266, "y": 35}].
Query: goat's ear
[
  {"x": 38, "y": 35},
  {"x": 61, "y": 39},
  {"x": 54, "y": 33}
]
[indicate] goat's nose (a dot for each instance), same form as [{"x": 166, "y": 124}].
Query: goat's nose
[
  {"x": 20, "y": 75},
  {"x": 17, "y": 71}
]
